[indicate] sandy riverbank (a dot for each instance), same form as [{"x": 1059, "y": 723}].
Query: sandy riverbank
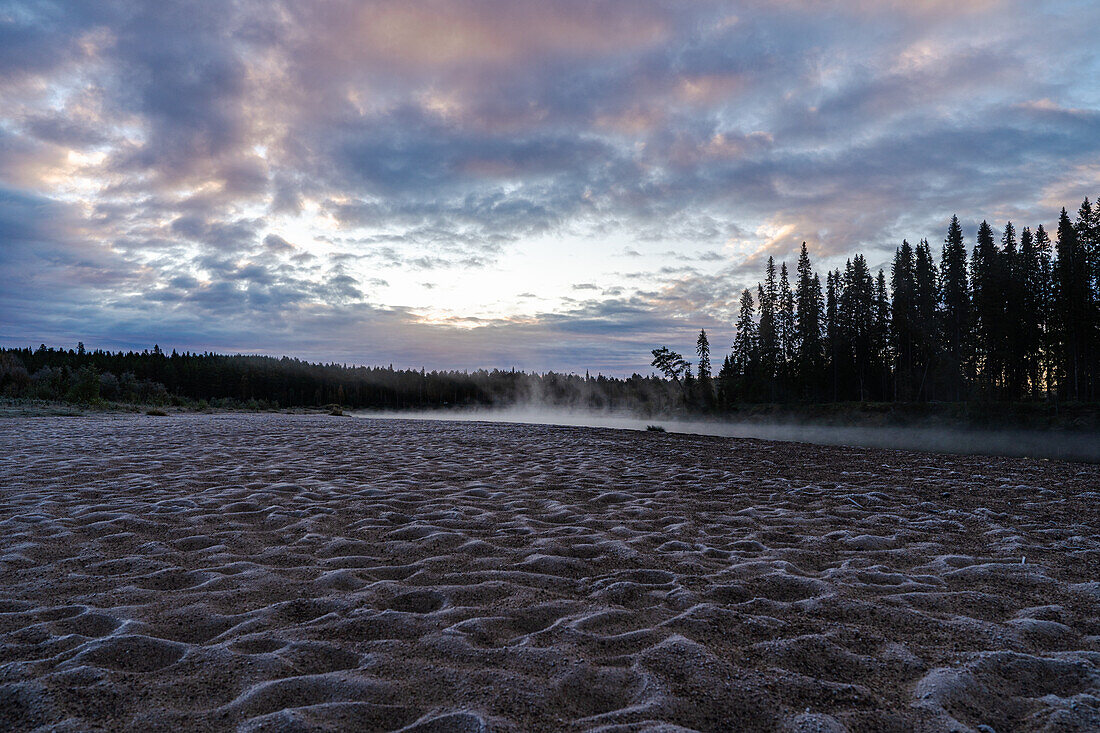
[{"x": 276, "y": 572}]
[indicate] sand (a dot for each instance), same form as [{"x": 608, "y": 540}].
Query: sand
[{"x": 284, "y": 573}]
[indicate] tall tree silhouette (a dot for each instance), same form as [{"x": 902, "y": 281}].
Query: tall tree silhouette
[
  {"x": 1071, "y": 312},
  {"x": 785, "y": 330},
  {"x": 834, "y": 330},
  {"x": 927, "y": 326},
  {"x": 881, "y": 353},
  {"x": 706, "y": 386},
  {"x": 768, "y": 336},
  {"x": 808, "y": 320},
  {"x": 987, "y": 308},
  {"x": 903, "y": 321},
  {"x": 1010, "y": 329},
  {"x": 857, "y": 309},
  {"x": 955, "y": 309},
  {"x": 1007, "y": 321},
  {"x": 744, "y": 358},
  {"x": 1088, "y": 235}
]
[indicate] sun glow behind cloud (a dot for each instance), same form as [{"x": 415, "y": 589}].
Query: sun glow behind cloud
[{"x": 549, "y": 185}]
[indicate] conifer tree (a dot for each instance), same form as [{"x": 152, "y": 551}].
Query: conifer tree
[
  {"x": 702, "y": 348},
  {"x": 808, "y": 325},
  {"x": 785, "y": 329},
  {"x": 986, "y": 308},
  {"x": 926, "y": 297},
  {"x": 880, "y": 337},
  {"x": 727, "y": 384},
  {"x": 903, "y": 320},
  {"x": 833, "y": 330},
  {"x": 1071, "y": 312},
  {"x": 857, "y": 314},
  {"x": 955, "y": 309},
  {"x": 706, "y": 387},
  {"x": 1010, "y": 328},
  {"x": 744, "y": 358},
  {"x": 1043, "y": 295},
  {"x": 768, "y": 337},
  {"x": 1088, "y": 235}
]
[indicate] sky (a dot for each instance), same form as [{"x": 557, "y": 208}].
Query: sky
[{"x": 540, "y": 185}]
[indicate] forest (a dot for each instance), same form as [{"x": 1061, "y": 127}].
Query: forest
[
  {"x": 1011, "y": 321},
  {"x": 1015, "y": 320},
  {"x": 152, "y": 377}
]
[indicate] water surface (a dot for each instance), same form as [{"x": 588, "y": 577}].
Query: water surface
[{"x": 1022, "y": 443}]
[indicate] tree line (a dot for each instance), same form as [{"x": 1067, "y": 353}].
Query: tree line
[
  {"x": 1013, "y": 320},
  {"x": 153, "y": 377}
]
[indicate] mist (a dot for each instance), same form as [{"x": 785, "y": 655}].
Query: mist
[{"x": 1068, "y": 446}]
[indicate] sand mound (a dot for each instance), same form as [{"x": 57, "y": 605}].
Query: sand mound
[{"x": 297, "y": 573}]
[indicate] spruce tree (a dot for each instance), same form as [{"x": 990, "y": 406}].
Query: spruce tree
[
  {"x": 833, "y": 330},
  {"x": 1072, "y": 305},
  {"x": 903, "y": 320},
  {"x": 926, "y": 296},
  {"x": 702, "y": 348},
  {"x": 1088, "y": 236},
  {"x": 987, "y": 308},
  {"x": 768, "y": 296},
  {"x": 808, "y": 325},
  {"x": 857, "y": 315},
  {"x": 785, "y": 329},
  {"x": 955, "y": 309},
  {"x": 727, "y": 384},
  {"x": 882, "y": 354},
  {"x": 1044, "y": 297},
  {"x": 1010, "y": 330},
  {"x": 706, "y": 387},
  {"x": 743, "y": 359}
]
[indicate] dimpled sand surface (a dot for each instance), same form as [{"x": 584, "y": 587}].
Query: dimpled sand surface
[{"x": 272, "y": 572}]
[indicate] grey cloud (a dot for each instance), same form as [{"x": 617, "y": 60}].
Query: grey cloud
[
  {"x": 637, "y": 125},
  {"x": 275, "y": 243}
]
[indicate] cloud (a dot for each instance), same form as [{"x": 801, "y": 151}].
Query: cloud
[{"x": 282, "y": 176}]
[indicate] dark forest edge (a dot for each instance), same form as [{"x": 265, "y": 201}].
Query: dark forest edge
[
  {"x": 47, "y": 381},
  {"x": 1016, "y": 322}
]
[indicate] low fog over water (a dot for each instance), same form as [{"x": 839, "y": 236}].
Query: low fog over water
[{"x": 1030, "y": 443}]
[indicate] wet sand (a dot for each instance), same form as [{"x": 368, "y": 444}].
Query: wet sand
[{"x": 283, "y": 573}]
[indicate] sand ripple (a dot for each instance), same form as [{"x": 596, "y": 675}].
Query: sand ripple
[{"x": 285, "y": 573}]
